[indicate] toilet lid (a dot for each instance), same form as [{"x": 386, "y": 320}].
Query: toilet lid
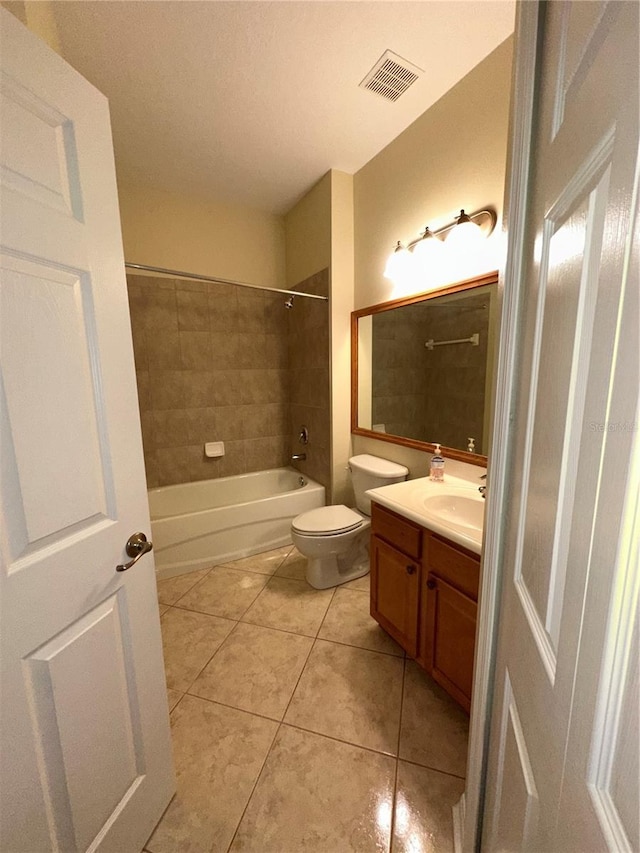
[{"x": 327, "y": 520}]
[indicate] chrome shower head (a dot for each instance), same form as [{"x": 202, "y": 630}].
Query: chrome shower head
[{"x": 289, "y": 302}]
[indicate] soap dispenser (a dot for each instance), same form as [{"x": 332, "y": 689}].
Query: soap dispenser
[{"x": 437, "y": 466}]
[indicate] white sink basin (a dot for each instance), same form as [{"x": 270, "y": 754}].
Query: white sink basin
[
  {"x": 459, "y": 509},
  {"x": 454, "y": 508}
]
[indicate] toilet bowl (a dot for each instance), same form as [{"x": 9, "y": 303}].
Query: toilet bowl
[
  {"x": 335, "y": 543},
  {"x": 335, "y": 539}
]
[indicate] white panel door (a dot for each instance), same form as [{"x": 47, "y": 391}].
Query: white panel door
[
  {"x": 563, "y": 763},
  {"x": 85, "y": 747}
]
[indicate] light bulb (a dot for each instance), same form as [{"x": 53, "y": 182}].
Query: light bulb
[
  {"x": 428, "y": 254},
  {"x": 399, "y": 266},
  {"x": 465, "y": 234}
]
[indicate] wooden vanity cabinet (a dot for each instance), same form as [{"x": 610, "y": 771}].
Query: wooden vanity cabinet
[
  {"x": 424, "y": 593},
  {"x": 396, "y": 573}
]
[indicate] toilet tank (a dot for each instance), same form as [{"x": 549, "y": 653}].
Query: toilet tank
[{"x": 370, "y": 472}]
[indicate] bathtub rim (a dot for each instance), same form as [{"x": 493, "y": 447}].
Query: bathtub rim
[
  {"x": 221, "y": 480},
  {"x": 282, "y": 539}
]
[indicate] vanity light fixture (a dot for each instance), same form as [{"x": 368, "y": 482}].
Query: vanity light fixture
[{"x": 427, "y": 255}]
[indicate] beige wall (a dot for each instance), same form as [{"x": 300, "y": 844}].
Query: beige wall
[
  {"x": 38, "y": 16},
  {"x": 453, "y": 156},
  {"x": 319, "y": 235},
  {"x": 342, "y": 278},
  {"x": 308, "y": 233},
  {"x": 211, "y": 238}
]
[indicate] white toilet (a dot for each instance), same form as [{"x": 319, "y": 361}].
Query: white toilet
[{"x": 335, "y": 539}]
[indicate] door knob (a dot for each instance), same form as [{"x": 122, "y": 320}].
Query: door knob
[
  {"x": 410, "y": 569},
  {"x": 137, "y": 546},
  {"x": 431, "y": 584}
]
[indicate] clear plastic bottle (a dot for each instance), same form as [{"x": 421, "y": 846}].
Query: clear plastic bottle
[{"x": 437, "y": 466}]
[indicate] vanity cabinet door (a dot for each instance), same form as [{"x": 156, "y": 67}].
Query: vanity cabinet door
[
  {"x": 395, "y": 590},
  {"x": 448, "y": 638}
]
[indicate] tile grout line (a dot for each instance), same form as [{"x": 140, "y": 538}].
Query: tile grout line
[
  {"x": 217, "y": 615},
  {"x": 395, "y": 781},
  {"x": 225, "y": 566},
  {"x": 297, "y": 633},
  {"x": 340, "y": 740},
  {"x": 193, "y": 585},
  {"x": 362, "y": 648},
  {"x": 233, "y": 707},
  {"x": 255, "y": 785},
  {"x": 301, "y": 728},
  {"x": 333, "y": 595},
  {"x": 203, "y": 612},
  {"x": 404, "y": 675},
  {"x": 237, "y": 622},
  {"x": 202, "y": 669},
  {"x": 432, "y": 769},
  {"x": 304, "y": 666},
  {"x": 268, "y": 753}
]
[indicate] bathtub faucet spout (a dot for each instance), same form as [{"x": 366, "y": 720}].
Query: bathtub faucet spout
[{"x": 298, "y": 457}]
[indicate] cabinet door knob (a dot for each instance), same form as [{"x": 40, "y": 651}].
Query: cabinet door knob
[
  {"x": 410, "y": 569},
  {"x": 431, "y": 584}
]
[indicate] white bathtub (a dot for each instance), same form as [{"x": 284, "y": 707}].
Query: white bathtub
[{"x": 195, "y": 525}]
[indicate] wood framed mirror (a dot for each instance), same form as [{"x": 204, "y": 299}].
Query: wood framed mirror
[{"x": 422, "y": 369}]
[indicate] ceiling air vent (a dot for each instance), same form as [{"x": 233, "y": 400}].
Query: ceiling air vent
[{"x": 391, "y": 76}]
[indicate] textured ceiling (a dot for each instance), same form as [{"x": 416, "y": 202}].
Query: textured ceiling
[{"x": 252, "y": 102}]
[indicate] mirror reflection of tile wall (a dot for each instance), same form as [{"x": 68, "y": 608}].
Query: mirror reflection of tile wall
[{"x": 431, "y": 395}]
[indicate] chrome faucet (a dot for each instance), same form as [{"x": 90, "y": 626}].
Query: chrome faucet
[
  {"x": 483, "y": 489},
  {"x": 298, "y": 457}
]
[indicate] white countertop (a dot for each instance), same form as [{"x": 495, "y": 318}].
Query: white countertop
[{"x": 447, "y": 517}]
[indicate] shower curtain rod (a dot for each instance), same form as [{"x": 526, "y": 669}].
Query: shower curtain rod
[{"x": 196, "y": 277}]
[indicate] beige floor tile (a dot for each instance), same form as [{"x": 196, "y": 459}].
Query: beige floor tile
[
  {"x": 291, "y": 606},
  {"x": 162, "y": 608},
  {"x": 256, "y": 669},
  {"x": 362, "y": 584},
  {"x": 218, "y": 753},
  {"x": 173, "y": 697},
  {"x": 348, "y": 621},
  {"x": 265, "y": 563},
  {"x": 351, "y": 694},
  {"x": 189, "y": 639},
  {"x": 434, "y": 730},
  {"x": 295, "y": 566},
  {"x": 171, "y": 589},
  {"x": 318, "y": 796},
  {"x": 225, "y": 592},
  {"x": 423, "y": 819}
]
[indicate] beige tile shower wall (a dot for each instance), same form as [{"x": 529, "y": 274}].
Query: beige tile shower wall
[
  {"x": 309, "y": 369},
  {"x": 211, "y": 364}
]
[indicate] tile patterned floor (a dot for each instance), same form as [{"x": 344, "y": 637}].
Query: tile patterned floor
[{"x": 298, "y": 724}]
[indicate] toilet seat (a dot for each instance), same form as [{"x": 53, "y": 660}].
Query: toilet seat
[{"x": 327, "y": 521}]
